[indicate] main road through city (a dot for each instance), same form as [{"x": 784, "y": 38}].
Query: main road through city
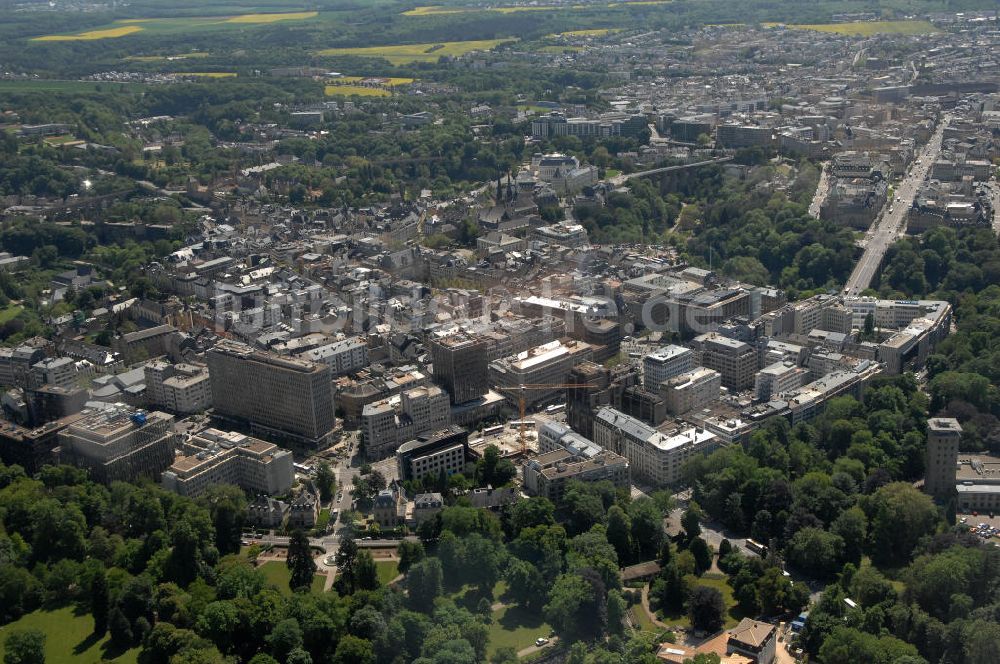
[{"x": 888, "y": 225}]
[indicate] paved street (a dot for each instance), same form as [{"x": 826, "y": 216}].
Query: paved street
[
  {"x": 891, "y": 222},
  {"x": 822, "y": 189}
]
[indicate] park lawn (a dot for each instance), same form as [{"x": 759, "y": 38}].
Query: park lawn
[
  {"x": 352, "y": 90},
  {"x": 278, "y": 575},
  {"x": 514, "y": 627},
  {"x": 641, "y": 619},
  {"x": 10, "y": 312},
  {"x": 68, "y": 638},
  {"x": 401, "y": 54},
  {"x": 717, "y": 581},
  {"x": 869, "y": 28},
  {"x": 387, "y": 571}
]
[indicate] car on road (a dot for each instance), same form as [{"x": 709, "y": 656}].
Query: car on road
[{"x": 541, "y": 641}]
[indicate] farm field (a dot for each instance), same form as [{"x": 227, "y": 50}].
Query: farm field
[
  {"x": 359, "y": 90},
  {"x": 69, "y": 638},
  {"x": 51, "y": 85},
  {"x": 166, "y": 58},
  {"x": 868, "y": 28},
  {"x": 92, "y": 35},
  {"x": 206, "y": 74},
  {"x": 439, "y": 10},
  {"x": 401, "y": 54},
  {"x": 594, "y": 32},
  {"x": 131, "y": 26}
]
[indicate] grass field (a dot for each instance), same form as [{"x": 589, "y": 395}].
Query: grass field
[
  {"x": 178, "y": 25},
  {"x": 165, "y": 58},
  {"x": 10, "y": 312},
  {"x": 401, "y": 54},
  {"x": 68, "y": 638},
  {"x": 641, "y": 619},
  {"x": 869, "y": 28},
  {"x": 76, "y": 87},
  {"x": 513, "y": 626},
  {"x": 565, "y": 48},
  {"x": 717, "y": 581},
  {"x": 595, "y": 32},
  {"x": 439, "y": 10},
  {"x": 91, "y": 35},
  {"x": 387, "y": 571},
  {"x": 206, "y": 74},
  {"x": 351, "y": 90},
  {"x": 278, "y": 574}
]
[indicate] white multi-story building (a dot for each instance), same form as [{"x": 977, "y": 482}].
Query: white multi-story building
[
  {"x": 691, "y": 390},
  {"x": 178, "y": 388},
  {"x": 215, "y": 457},
  {"x": 665, "y": 363},
  {"x": 343, "y": 357},
  {"x": 777, "y": 378},
  {"x": 387, "y": 423},
  {"x": 654, "y": 456}
]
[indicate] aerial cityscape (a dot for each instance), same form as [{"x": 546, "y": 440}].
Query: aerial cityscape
[{"x": 499, "y": 331}]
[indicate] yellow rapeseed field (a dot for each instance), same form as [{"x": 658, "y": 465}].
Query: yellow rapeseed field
[
  {"x": 359, "y": 90},
  {"x": 272, "y": 18},
  {"x": 401, "y": 54},
  {"x": 92, "y": 35}
]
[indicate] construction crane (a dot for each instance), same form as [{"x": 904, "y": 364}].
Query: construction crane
[{"x": 520, "y": 390}]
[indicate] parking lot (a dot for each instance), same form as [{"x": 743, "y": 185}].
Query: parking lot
[{"x": 986, "y": 527}]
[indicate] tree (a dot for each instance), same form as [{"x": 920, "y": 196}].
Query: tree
[
  {"x": 619, "y": 533},
  {"x": 702, "y": 555},
  {"x": 120, "y": 629},
  {"x": 425, "y": 583},
  {"x": 300, "y": 561},
  {"x": 504, "y": 655},
  {"x": 99, "y": 603},
  {"x": 410, "y": 553},
  {"x": 326, "y": 481},
  {"x": 352, "y": 650},
  {"x": 285, "y": 637},
  {"x": 690, "y": 521},
  {"x": 706, "y": 608},
  {"x": 365, "y": 572},
  {"x": 898, "y": 515},
  {"x": 227, "y": 506},
  {"x": 816, "y": 552},
  {"x": 573, "y": 607},
  {"x": 24, "y": 647}
]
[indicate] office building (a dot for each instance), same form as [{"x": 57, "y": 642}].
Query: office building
[
  {"x": 548, "y": 364},
  {"x": 343, "y": 357},
  {"x": 30, "y": 448},
  {"x": 460, "y": 365},
  {"x": 214, "y": 457},
  {"x": 778, "y": 378},
  {"x": 444, "y": 451},
  {"x": 735, "y": 360},
  {"x": 58, "y": 371},
  {"x": 548, "y": 475},
  {"x": 691, "y": 390},
  {"x": 387, "y": 423},
  {"x": 285, "y": 399},
  {"x": 654, "y": 456},
  {"x": 119, "y": 443},
  {"x": 178, "y": 388},
  {"x": 943, "y": 437},
  {"x": 665, "y": 363}
]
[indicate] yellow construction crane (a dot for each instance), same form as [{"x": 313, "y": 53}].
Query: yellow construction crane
[{"x": 520, "y": 389}]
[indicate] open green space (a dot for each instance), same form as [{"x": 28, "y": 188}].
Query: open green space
[
  {"x": 387, "y": 571},
  {"x": 514, "y": 627},
  {"x": 10, "y": 312},
  {"x": 717, "y": 581},
  {"x": 278, "y": 574},
  {"x": 401, "y": 54},
  {"x": 69, "y": 638},
  {"x": 125, "y": 27},
  {"x": 76, "y": 87}
]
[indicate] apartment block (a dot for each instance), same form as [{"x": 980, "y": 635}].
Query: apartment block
[
  {"x": 119, "y": 443},
  {"x": 214, "y": 457},
  {"x": 778, "y": 378},
  {"x": 343, "y": 357},
  {"x": 548, "y": 474}
]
